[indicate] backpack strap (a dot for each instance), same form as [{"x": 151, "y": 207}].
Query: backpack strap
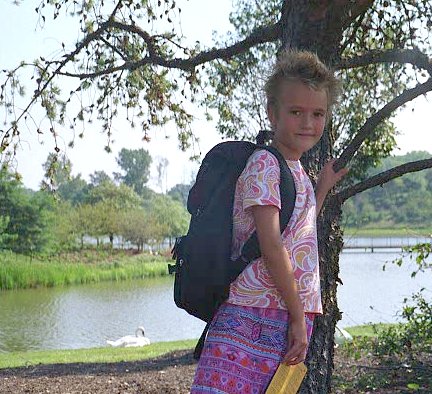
[
  {"x": 251, "y": 249},
  {"x": 200, "y": 344}
]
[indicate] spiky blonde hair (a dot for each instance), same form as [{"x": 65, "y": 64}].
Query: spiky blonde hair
[{"x": 302, "y": 66}]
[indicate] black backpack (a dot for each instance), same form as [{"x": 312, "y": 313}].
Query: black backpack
[{"x": 204, "y": 269}]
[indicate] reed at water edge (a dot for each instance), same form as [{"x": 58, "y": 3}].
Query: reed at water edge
[{"x": 22, "y": 272}]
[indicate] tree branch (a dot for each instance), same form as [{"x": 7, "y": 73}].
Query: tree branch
[
  {"x": 137, "y": 30},
  {"x": 382, "y": 178},
  {"x": 367, "y": 129},
  {"x": 57, "y": 71},
  {"x": 114, "y": 48},
  {"x": 353, "y": 8},
  {"x": 355, "y": 28},
  {"x": 259, "y": 36},
  {"x": 402, "y": 56}
]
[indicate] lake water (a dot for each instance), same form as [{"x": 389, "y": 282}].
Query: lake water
[{"x": 86, "y": 316}]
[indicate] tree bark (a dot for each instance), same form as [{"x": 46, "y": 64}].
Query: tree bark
[
  {"x": 311, "y": 26},
  {"x": 321, "y": 348}
]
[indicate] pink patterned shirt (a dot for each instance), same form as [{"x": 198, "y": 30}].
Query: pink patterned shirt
[{"x": 259, "y": 185}]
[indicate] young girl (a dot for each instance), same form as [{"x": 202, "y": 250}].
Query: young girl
[{"x": 269, "y": 314}]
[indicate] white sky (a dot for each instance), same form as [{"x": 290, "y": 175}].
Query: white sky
[{"x": 21, "y": 39}]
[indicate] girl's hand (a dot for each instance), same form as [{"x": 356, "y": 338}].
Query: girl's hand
[
  {"x": 297, "y": 342},
  {"x": 328, "y": 177},
  {"x": 326, "y": 180}
]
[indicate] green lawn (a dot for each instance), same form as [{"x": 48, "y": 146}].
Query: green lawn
[
  {"x": 111, "y": 355},
  {"x": 93, "y": 355},
  {"x": 368, "y": 330},
  {"x": 388, "y": 232}
]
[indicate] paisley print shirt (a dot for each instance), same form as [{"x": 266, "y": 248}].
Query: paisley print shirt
[{"x": 259, "y": 185}]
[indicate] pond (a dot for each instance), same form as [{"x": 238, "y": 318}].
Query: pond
[{"x": 86, "y": 316}]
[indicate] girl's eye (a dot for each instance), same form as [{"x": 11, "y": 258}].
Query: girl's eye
[
  {"x": 319, "y": 114},
  {"x": 295, "y": 112}
]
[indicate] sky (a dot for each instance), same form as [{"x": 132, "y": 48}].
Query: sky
[{"x": 22, "y": 39}]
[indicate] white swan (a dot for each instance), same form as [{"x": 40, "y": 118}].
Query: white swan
[
  {"x": 131, "y": 340},
  {"x": 341, "y": 336}
]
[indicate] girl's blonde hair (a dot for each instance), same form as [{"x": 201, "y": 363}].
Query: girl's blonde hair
[{"x": 302, "y": 66}]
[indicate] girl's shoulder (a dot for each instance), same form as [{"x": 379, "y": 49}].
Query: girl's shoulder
[{"x": 263, "y": 159}]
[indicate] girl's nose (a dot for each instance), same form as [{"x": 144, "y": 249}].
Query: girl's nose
[{"x": 307, "y": 120}]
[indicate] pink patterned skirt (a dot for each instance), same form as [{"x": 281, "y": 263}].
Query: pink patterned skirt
[{"x": 243, "y": 349}]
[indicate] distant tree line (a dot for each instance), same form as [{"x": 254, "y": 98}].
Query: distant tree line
[
  {"x": 406, "y": 201},
  {"x": 68, "y": 211}
]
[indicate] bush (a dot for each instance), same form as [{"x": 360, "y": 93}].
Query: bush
[{"x": 414, "y": 335}]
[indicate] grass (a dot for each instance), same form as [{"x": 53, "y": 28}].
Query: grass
[
  {"x": 388, "y": 232},
  {"x": 93, "y": 355},
  {"x": 21, "y": 272},
  {"x": 367, "y": 330},
  {"x": 111, "y": 355}
]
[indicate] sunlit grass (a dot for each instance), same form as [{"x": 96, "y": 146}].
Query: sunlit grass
[
  {"x": 93, "y": 355},
  {"x": 111, "y": 355},
  {"x": 388, "y": 232},
  {"x": 367, "y": 330},
  {"x": 21, "y": 272}
]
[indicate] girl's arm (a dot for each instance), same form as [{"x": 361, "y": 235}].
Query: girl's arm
[
  {"x": 326, "y": 180},
  {"x": 279, "y": 266}
]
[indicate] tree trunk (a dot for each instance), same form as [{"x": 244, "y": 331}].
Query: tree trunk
[
  {"x": 309, "y": 27},
  {"x": 321, "y": 348}
]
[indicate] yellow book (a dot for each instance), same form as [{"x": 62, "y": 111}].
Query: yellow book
[{"x": 287, "y": 379}]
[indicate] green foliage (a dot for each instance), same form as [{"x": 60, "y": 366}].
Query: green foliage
[
  {"x": 399, "y": 203},
  {"x": 136, "y": 167},
  {"x": 170, "y": 214},
  {"x": 131, "y": 59},
  {"x": 414, "y": 335},
  {"x": 146, "y": 93},
  {"x": 58, "y": 169},
  {"x": 180, "y": 193},
  {"x": 419, "y": 254},
  {"x": 18, "y": 272},
  {"x": 104, "y": 209},
  {"x": 4, "y": 221},
  {"x": 24, "y": 216},
  {"x": 140, "y": 227},
  {"x": 99, "y": 177},
  {"x": 120, "y": 197},
  {"x": 241, "y": 106},
  {"x": 63, "y": 228},
  {"x": 75, "y": 190}
]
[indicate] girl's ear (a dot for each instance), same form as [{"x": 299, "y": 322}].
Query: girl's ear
[{"x": 272, "y": 114}]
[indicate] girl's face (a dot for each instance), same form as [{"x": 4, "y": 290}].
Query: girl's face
[{"x": 300, "y": 118}]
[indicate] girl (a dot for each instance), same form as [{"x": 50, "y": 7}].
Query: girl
[{"x": 269, "y": 314}]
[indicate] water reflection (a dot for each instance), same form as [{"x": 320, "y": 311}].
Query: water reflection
[
  {"x": 25, "y": 316},
  {"x": 86, "y": 316}
]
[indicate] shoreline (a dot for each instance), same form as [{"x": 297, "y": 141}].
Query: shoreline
[
  {"x": 22, "y": 272},
  {"x": 112, "y": 354},
  {"x": 388, "y": 232},
  {"x": 92, "y": 266}
]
